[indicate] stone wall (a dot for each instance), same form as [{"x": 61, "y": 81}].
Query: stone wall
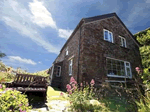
[
  {"x": 72, "y": 54},
  {"x": 96, "y": 49}
]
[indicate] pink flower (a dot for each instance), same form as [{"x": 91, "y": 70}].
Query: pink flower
[
  {"x": 20, "y": 105},
  {"x": 68, "y": 87},
  {"x": 22, "y": 110},
  {"x": 74, "y": 87},
  {"x": 1, "y": 86},
  {"x": 70, "y": 92},
  {"x": 137, "y": 69},
  {"x": 61, "y": 94},
  {"x": 81, "y": 84},
  {"x": 9, "y": 89},
  {"x": 72, "y": 80},
  {"x": 27, "y": 104},
  {"x": 92, "y": 82}
]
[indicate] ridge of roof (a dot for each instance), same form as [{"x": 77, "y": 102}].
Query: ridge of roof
[
  {"x": 94, "y": 18},
  {"x": 85, "y": 20},
  {"x": 74, "y": 31},
  {"x": 90, "y": 19}
]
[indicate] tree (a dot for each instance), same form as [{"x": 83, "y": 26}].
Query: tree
[
  {"x": 2, "y": 54},
  {"x": 143, "y": 38}
]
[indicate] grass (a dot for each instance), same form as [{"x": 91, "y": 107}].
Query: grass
[{"x": 54, "y": 92}]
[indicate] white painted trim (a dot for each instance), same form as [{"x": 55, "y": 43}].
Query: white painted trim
[
  {"x": 59, "y": 71},
  {"x": 70, "y": 64},
  {"x": 116, "y": 76},
  {"x": 66, "y": 51},
  {"x": 71, "y": 57},
  {"x": 124, "y": 68},
  {"x": 122, "y": 41},
  {"x": 114, "y": 59},
  {"x": 114, "y": 81},
  {"x": 129, "y": 68},
  {"x": 108, "y": 35}
]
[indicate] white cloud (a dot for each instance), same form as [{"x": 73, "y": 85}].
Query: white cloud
[
  {"x": 41, "y": 16},
  {"x": 39, "y": 62},
  {"x": 19, "y": 18},
  {"x": 63, "y": 33},
  {"x": 21, "y": 60}
]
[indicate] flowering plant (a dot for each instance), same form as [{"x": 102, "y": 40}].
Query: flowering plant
[
  {"x": 12, "y": 100},
  {"x": 80, "y": 97}
]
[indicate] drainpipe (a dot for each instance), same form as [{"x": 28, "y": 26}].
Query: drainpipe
[
  {"x": 79, "y": 55},
  {"x": 51, "y": 77}
]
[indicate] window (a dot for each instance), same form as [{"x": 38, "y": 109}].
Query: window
[
  {"x": 70, "y": 66},
  {"x": 108, "y": 36},
  {"x": 58, "y": 71},
  {"x": 122, "y": 42},
  {"x": 67, "y": 51},
  {"x": 118, "y": 68}
]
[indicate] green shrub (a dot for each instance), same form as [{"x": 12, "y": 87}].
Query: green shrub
[
  {"x": 144, "y": 104},
  {"x": 6, "y": 77},
  {"x": 12, "y": 100}
]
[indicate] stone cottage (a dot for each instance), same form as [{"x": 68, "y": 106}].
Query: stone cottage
[{"x": 100, "y": 48}]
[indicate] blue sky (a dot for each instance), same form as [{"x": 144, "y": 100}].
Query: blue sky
[{"x": 32, "y": 32}]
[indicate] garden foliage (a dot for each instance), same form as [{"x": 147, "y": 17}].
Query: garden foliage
[
  {"x": 82, "y": 99},
  {"x": 12, "y": 100},
  {"x": 143, "y": 38}
]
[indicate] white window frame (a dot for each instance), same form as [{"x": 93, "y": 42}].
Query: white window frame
[
  {"x": 122, "y": 41},
  {"x": 66, "y": 53},
  {"x": 112, "y": 41},
  {"x": 59, "y": 71},
  {"x": 70, "y": 66},
  {"x": 125, "y": 62},
  {"x": 125, "y": 68}
]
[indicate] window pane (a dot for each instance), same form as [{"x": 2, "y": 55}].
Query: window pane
[
  {"x": 127, "y": 64},
  {"x": 106, "y": 35},
  {"x": 58, "y": 71},
  {"x": 123, "y": 42},
  {"x": 110, "y": 37},
  {"x": 108, "y": 61},
  {"x": 120, "y": 41},
  {"x": 114, "y": 72},
  {"x": 113, "y": 62},
  {"x": 114, "y": 67},
  {"x": 119, "y": 73},
  {"x": 70, "y": 67},
  {"x": 122, "y": 64},
  {"x": 110, "y": 72},
  {"x": 118, "y": 63},
  {"x": 118, "y": 67},
  {"x": 122, "y": 72},
  {"x": 108, "y": 66},
  {"x": 128, "y": 71}
]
